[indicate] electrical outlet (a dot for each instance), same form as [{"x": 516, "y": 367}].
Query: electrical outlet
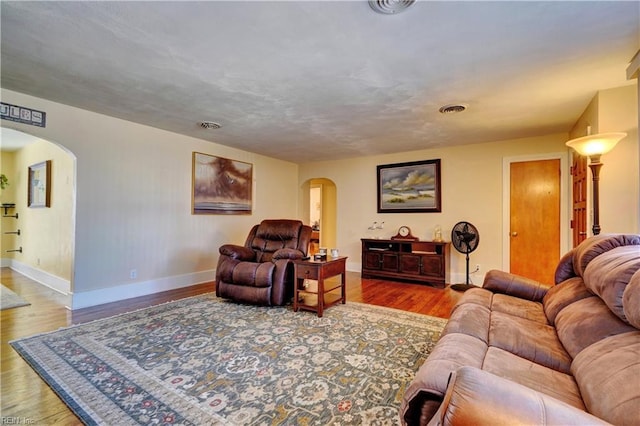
[
  {"x": 478, "y": 267},
  {"x": 133, "y": 274}
]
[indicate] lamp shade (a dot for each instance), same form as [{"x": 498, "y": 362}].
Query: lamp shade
[{"x": 596, "y": 144}]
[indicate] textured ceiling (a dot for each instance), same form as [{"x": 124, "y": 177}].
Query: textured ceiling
[{"x": 305, "y": 81}]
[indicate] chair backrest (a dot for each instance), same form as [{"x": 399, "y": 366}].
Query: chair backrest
[{"x": 275, "y": 234}]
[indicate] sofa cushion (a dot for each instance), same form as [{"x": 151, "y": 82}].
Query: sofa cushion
[
  {"x": 503, "y": 303},
  {"x": 631, "y": 300},
  {"x": 534, "y": 376},
  {"x": 561, "y": 296},
  {"x": 592, "y": 247},
  {"x": 459, "y": 321},
  {"x": 253, "y": 274},
  {"x": 585, "y": 322},
  {"x": 477, "y": 295},
  {"x": 517, "y": 307},
  {"x": 452, "y": 352},
  {"x": 272, "y": 235},
  {"x": 608, "y": 276},
  {"x": 530, "y": 340},
  {"x": 608, "y": 374}
]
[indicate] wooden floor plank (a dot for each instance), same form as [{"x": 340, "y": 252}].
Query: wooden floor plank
[{"x": 27, "y": 398}]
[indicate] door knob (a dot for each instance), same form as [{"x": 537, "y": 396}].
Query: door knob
[{"x": 514, "y": 234}]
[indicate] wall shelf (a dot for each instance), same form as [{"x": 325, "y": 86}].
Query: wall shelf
[{"x": 6, "y": 207}]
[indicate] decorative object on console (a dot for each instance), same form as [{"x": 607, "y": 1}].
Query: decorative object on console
[
  {"x": 220, "y": 185},
  {"x": 593, "y": 146},
  {"x": 404, "y": 233},
  {"x": 39, "y": 189},
  {"x": 465, "y": 239},
  {"x": 437, "y": 234},
  {"x": 412, "y": 187}
]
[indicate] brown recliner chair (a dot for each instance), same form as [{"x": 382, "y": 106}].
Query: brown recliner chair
[{"x": 261, "y": 272}]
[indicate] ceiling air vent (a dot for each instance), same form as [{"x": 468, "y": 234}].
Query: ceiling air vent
[
  {"x": 209, "y": 125},
  {"x": 389, "y": 7},
  {"x": 452, "y": 109}
]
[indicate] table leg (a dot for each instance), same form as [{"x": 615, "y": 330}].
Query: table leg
[
  {"x": 320, "y": 295},
  {"x": 344, "y": 287},
  {"x": 296, "y": 294}
]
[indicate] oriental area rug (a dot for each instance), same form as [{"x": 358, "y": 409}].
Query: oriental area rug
[
  {"x": 9, "y": 299},
  {"x": 205, "y": 361}
]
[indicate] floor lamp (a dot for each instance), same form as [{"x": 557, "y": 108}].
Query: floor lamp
[{"x": 593, "y": 146}]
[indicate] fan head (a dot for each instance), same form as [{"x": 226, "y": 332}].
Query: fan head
[{"x": 465, "y": 237}]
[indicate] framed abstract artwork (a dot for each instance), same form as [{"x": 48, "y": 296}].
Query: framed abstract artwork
[
  {"x": 412, "y": 187},
  {"x": 221, "y": 185},
  {"x": 39, "y": 190}
]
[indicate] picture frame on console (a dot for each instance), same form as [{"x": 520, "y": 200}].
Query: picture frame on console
[
  {"x": 221, "y": 185},
  {"x": 411, "y": 187}
]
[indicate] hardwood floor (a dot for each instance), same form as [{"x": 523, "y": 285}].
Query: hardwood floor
[{"x": 26, "y": 399}]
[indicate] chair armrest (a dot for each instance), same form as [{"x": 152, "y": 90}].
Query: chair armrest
[
  {"x": 515, "y": 285},
  {"x": 287, "y": 253},
  {"x": 243, "y": 254},
  {"x": 477, "y": 397}
]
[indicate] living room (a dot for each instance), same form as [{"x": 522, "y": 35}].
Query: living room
[
  {"x": 146, "y": 222},
  {"x": 130, "y": 186},
  {"x": 120, "y": 224}
]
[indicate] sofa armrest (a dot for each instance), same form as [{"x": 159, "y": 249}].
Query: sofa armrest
[
  {"x": 243, "y": 254},
  {"x": 287, "y": 253},
  {"x": 477, "y": 397},
  {"x": 515, "y": 285}
]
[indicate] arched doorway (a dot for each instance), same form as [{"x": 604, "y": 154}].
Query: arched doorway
[
  {"x": 319, "y": 208},
  {"x": 47, "y": 235}
]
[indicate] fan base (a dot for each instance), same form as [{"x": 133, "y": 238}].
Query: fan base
[{"x": 462, "y": 287}]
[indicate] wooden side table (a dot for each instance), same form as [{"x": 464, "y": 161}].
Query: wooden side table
[{"x": 316, "y": 296}]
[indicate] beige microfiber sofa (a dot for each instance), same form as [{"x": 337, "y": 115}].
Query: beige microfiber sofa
[{"x": 520, "y": 352}]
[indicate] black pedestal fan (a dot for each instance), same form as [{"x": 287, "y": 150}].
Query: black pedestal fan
[{"x": 465, "y": 239}]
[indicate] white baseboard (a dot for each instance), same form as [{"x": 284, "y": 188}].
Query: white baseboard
[
  {"x": 101, "y": 296},
  {"x": 45, "y": 278}
]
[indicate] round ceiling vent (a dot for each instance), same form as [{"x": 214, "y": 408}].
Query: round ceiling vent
[
  {"x": 209, "y": 125},
  {"x": 452, "y": 109},
  {"x": 389, "y": 7}
]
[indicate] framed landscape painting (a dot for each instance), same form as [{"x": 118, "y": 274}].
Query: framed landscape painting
[
  {"x": 220, "y": 185},
  {"x": 412, "y": 187}
]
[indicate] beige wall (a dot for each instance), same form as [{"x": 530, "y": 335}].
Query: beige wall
[
  {"x": 46, "y": 234},
  {"x": 615, "y": 110},
  {"x": 7, "y": 195},
  {"x": 134, "y": 184},
  {"x": 134, "y": 202},
  {"x": 471, "y": 191}
]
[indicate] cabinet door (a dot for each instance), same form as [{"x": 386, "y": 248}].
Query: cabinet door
[
  {"x": 390, "y": 262},
  {"x": 410, "y": 264},
  {"x": 433, "y": 266},
  {"x": 372, "y": 260}
]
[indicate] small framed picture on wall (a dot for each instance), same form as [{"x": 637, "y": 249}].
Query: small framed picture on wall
[{"x": 39, "y": 191}]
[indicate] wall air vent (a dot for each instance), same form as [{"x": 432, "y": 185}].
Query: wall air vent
[
  {"x": 209, "y": 125},
  {"x": 389, "y": 7},
  {"x": 452, "y": 109}
]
